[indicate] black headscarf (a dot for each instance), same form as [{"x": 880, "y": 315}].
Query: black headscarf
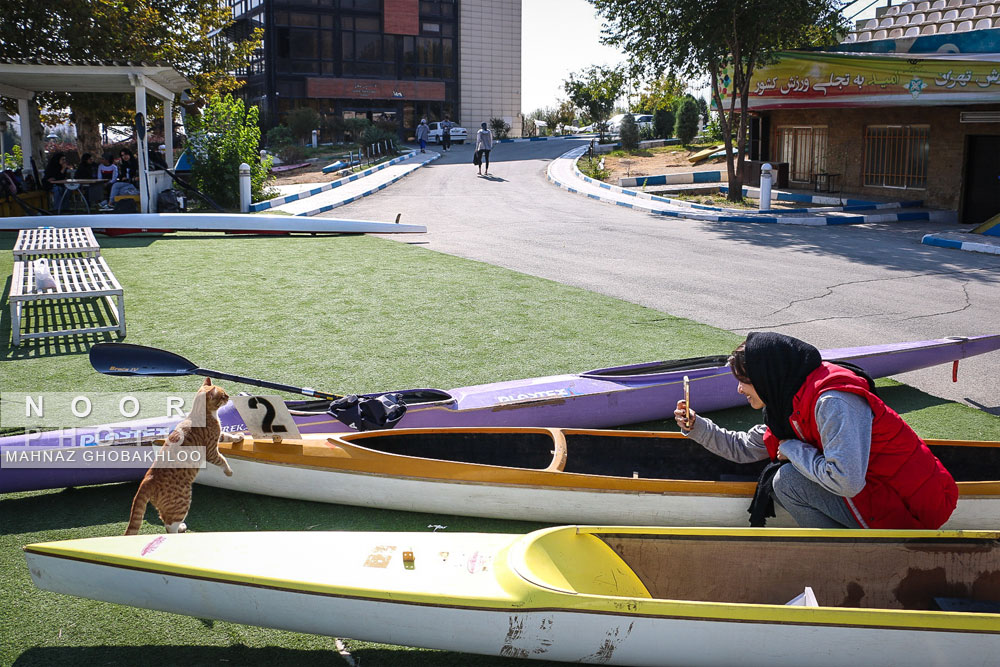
[{"x": 777, "y": 365}]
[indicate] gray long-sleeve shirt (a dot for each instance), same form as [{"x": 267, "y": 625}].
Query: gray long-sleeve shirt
[{"x": 845, "y": 426}]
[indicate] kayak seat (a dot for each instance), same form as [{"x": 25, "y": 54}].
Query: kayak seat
[
  {"x": 566, "y": 560},
  {"x": 559, "y": 451}
]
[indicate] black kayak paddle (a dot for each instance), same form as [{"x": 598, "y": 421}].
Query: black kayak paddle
[{"x": 129, "y": 359}]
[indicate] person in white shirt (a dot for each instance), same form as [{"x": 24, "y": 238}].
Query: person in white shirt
[
  {"x": 484, "y": 144},
  {"x": 107, "y": 171}
]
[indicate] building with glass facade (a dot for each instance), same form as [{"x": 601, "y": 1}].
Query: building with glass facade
[{"x": 386, "y": 60}]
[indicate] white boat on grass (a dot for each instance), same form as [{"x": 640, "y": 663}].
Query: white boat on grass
[
  {"x": 212, "y": 222},
  {"x": 549, "y": 475},
  {"x": 607, "y": 595}
]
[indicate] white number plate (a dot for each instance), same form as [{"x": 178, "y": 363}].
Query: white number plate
[{"x": 266, "y": 416}]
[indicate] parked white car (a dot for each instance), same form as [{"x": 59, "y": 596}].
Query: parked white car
[
  {"x": 641, "y": 119},
  {"x": 458, "y": 134}
]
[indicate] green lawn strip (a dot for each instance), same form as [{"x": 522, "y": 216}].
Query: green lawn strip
[{"x": 341, "y": 313}]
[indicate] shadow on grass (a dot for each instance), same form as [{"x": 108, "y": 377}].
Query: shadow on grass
[
  {"x": 53, "y": 314},
  {"x": 189, "y": 656},
  {"x": 220, "y": 510},
  {"x": 66, "y": 508}
]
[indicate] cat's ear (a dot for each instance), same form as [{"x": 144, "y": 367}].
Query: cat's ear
[{"x": 207, "y": 382}]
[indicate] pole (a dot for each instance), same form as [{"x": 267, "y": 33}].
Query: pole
[
  {"x": 765, "y": 186},
  {"x": 244, "y": 188}
]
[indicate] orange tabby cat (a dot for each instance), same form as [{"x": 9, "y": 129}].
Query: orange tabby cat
[{"x": 170, "y": 488}]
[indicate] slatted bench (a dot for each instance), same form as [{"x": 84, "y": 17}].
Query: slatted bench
[
  {"x": 50, "y": 241},
  {"x": 75, "y": 277}
]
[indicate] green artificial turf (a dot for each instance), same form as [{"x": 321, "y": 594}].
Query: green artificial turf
[{"x": 341, "y": 313}]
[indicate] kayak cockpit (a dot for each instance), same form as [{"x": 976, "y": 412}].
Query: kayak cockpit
[
  {"x": 651, "y": 370},
  {"x": 861, "y": 569},
  {"x": 528, "y": 448}
]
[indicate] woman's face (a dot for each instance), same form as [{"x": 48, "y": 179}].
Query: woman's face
[{"x": 753, "y": 398}]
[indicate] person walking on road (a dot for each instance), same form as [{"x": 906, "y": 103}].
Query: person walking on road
[
  {"x": 423, "y": 130},
  {"x": 446, "y": 126},
  {"x": 484, "y": 144}
]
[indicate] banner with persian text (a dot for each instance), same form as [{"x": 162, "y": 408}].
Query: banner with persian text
[{"x": 804, "y": 79}]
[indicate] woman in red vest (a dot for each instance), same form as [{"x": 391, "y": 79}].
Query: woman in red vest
[{"x": 853, "y": 461}]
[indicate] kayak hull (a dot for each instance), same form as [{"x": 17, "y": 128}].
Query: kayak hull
[{"x": 575, "y": 594}]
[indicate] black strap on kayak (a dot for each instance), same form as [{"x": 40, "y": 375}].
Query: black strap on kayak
[
  {"x": 762, "y": 506},
  {"x": 368, "y": 413}
]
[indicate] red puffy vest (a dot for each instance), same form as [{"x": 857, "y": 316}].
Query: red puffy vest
[{"x": 905, "y": 486}]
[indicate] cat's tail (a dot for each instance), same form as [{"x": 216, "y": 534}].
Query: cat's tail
[{"x": 139, "y": 503}]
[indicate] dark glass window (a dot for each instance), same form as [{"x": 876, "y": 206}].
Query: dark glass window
[
  {"x": 305, "y": 43},
  {"x": 304, "y": 20}
]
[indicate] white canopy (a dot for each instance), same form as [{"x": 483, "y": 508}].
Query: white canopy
[{"x": 22, "y": 79}]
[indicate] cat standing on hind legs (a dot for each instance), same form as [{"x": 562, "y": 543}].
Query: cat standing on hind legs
[{"x": 169, "y": 489}]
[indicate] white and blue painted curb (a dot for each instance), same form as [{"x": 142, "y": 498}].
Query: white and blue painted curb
[
  {"x": 956, "y": 240},
  {"x": 682, "y": 209},
  {"x": 278, "y": 201},
  {"x": 329, "y": 207},
  {"x": 684, "y": 178}
]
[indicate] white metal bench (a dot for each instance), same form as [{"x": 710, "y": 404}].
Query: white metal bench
[
  {"x": 55, "y": 241},
  {"x": 75, "y": 277}
]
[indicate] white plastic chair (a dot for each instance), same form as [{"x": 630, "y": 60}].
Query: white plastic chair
[
  {"x": 929, "y": 29},
  {"x": 880, "y": 34},
  {"x": 933, "y": 17},
  {"x": 923, "y": 6},
  {"x": 983, "y": 24},
  {"x": 963, "y": 26},
  {"x": 945, "y": 28},
  {"x": 912, "y": 31}
]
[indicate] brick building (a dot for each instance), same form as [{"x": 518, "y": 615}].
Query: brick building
[
  {"x": 906, "y": 107},
  {"x": 398, "y": 60}
]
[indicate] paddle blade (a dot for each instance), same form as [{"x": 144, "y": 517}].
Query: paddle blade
[{"x": 128, "y": 359}]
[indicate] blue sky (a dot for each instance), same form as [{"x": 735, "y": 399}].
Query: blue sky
[{"x": 563, "y": 36}]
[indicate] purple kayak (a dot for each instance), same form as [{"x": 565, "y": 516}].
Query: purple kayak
[{"x": 601, "y": 398}]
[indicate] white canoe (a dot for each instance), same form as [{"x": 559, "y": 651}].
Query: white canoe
[
  {"x": 616, "y": 595},
  {"x": 212, "y": 222},
  {"x": 551, "y": 475}
]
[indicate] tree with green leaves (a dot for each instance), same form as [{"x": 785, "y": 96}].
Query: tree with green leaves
[
  {"x": 629, "y": 133},
  {"x": 301, "y": 122},
  {"x": 225, "y": 134},
  {"x": 660, "y": 93},
  {"x": 687, "y": 121},
  {"x": 594, "y": 92},
  {"x": 187, "y": 34},
  {"x": 689, "y": 39},
  {"x": 663, "y": 123}
]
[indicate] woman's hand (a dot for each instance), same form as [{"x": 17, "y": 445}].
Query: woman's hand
[{"x": 680, "y": 416}]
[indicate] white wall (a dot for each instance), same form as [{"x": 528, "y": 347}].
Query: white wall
[{"x": 490, "y": 62}]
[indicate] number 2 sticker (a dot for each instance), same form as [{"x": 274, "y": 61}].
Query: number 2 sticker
[{"x": 265, "y": 416}]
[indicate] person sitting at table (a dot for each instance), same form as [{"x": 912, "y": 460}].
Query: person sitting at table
[
  {"x": 58, "y": 169},
  {"x": 87, "y": 170},
  {"x": 128, "y": 174},
  {"x": 107, "y": 171}
]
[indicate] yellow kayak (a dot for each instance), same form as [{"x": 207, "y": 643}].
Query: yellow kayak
[{"x": 609, "y": 595}]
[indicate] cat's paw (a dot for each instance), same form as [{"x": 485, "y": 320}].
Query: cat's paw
[
  {"x": 182, "y": 528},
  {"x": 229, "y": 471}
]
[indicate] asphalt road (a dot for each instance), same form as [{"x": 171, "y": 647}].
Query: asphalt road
[{"x": 835, "y": 286}]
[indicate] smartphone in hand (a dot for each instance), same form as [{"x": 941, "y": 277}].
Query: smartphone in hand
[{"x": 687, "y": 400}]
